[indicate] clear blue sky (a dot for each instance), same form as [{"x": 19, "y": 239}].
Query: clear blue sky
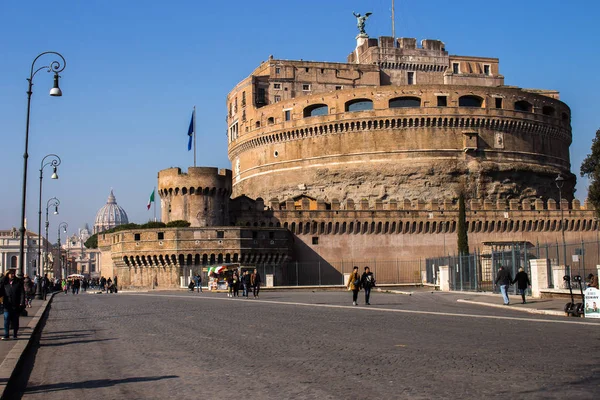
[{"x": 135, "y": 69}]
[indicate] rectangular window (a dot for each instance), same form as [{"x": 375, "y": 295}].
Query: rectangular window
[
  {"x": 306, "y": 87},
  {"x": 220, "y": 234},
  {"x": 442, "y": 101},
  {"x": 277, "y": 98},
  {"x": 277, "y": 70},
  {"x": 161, "y": 235},
  {"x": 136, "y": 237},
  {"x": 486, "y": 69},
  {"x": 277, "y": 86},
  {"x": 339, "y": 87},
  {"x": 455, "y": 68},
  {"x": 271, "y": 235},
  {"x": 306, "y": 69},
  {"x": 254, "y": 234},
  {"x": 498, "y": 102},
  {"x": 243, "y": 99},
  {"x": 288, "y": 115},
  {"x": 315, "y": 240},
  {"x": 410, "y": 77}
]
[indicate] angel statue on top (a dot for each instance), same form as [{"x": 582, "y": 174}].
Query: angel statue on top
[{"x": 360, "y": 22}]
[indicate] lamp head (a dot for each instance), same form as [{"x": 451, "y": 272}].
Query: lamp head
[
  {"x": 560, "y": 181},
  {"x": 54, "y": 174},
  {"x": 55, "y": 91},
  {"x": 55, "y": 210}
]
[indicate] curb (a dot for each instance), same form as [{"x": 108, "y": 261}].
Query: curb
[
  {"x": 392, "y": 291},
  {"x": 527, "y": 310},
  {"x": 14, "y": 357}
]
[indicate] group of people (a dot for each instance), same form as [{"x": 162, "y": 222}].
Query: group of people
[
  {"x": 247, "y": 281},
  {"x": 17, "y": 294},
  {"x": 74, "y": 285},
  {"x": 366, "y": 282}
]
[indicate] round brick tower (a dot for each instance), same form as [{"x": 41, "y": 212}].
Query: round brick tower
[{"x": 200, "y": 196}]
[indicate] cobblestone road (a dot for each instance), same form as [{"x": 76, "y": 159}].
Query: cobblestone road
[{"x": 307, "y": 345}]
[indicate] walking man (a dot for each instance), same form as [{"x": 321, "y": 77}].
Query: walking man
[
  {"x": 199, "y": 283},
  {"x": 256, "y": 281},
  {"x": 13, "y": 298},
  {"x": 367, "y": 282},
  {"x": 503, "y": 278},
  {"x": 522, "y": 281}
]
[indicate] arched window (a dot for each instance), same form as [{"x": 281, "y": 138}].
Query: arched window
[
  {"x": 547, "y": 110},
  {"x": 257, "y": 124},
  {"x": 523, "y": 105},
  {"x": 270, "y": 120},
  {"x": 315, "y": 110},
  {"x": 359, "y": 105},
  {"x": 470, "y": 101},
  {"x": 404, "y": 102}
]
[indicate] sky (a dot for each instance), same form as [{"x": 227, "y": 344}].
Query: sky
[{"x": 135, "y": 69}]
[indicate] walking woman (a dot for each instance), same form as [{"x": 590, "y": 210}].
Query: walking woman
[
  {"x": 29, "y": 288},
  {"x": 236, "y": 285},
  {"x": 523, "y": 282},
  {"x": 354, "y": 285},
  {"x": 367, "y": 281},
  {"x": 65, "y": 286}
]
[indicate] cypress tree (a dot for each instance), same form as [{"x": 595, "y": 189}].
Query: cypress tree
[{"x": 463, "y": 240}]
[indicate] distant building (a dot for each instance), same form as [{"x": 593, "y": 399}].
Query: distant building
[
  {"x": 110, "y": 215},
  {"x": 9, "y": 250},
  {"x": 79, "y": 259}
]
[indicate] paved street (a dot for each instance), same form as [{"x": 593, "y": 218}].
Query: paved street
[{"x": 307, "y": 345}]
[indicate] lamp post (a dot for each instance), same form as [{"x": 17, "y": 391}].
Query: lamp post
[
  {"x": 63, "y": 225},
  {"x": 56, "y": 67},
  {"x": 560, "y": 181},
  {"x": 53, "y": 202},
  {"x": 55, "y": 162}
]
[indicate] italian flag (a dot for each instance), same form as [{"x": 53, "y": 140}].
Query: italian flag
[{"x": 151, "y": 199}]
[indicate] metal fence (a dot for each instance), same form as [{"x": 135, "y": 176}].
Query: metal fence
[
  {"x": 477, "y": 271},
  {"x": 322, "y": 273}
]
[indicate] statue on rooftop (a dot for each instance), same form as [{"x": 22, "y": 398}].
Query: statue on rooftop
[{"x": 360, "y": 22}]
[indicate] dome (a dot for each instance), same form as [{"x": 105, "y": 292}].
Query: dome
[{"x": 110, "y": 215}]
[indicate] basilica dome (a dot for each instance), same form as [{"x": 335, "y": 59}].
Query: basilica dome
[{"x": 110, "y": 215}]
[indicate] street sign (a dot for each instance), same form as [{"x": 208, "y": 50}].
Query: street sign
[
  {"x": 575, "y": 258},
  {"x": 592, "y": 303}
]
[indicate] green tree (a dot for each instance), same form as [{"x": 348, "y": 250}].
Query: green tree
[
  {"x": 590, "y": 168},
  {"x": 92, "y": 242},
  {"x": 178, "y": 224},
  {"x": 463, "y": 239}
]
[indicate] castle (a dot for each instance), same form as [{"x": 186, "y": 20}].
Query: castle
[{"x": 334, "y": 163}]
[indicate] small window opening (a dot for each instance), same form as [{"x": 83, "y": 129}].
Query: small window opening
[
  {"x": 486, "y": 69},
  {"x": 288, "y": 115},
  {"x": 455, "y": 68},
  {"x": 442, "y": 101},
  {"x": 410, "y": 77},
  {"x": 498, "y": 102},
  {"x": 315, "y": 240},
  {"x": 220, "y": 234},
  {"x": 136, "y": 237},
  {"x": 161, "y": 235}
]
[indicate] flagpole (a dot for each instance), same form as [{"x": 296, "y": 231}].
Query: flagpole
[
  {"x": 154, "y": 191},
  {"x": 194, "y": 118}
]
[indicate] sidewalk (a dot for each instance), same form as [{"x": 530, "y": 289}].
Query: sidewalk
[
  {"x": 533, "y": 306},
  {"x": 12, "y": 350}
]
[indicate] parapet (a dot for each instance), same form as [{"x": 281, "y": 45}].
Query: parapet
[{"x": 306, "y": 203}]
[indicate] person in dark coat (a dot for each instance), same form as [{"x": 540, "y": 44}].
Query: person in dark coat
[
  {"x": 503, "y": 279},
  {"x": 522, "y": 281},
  {"x": 367, "y": 281},
  {"x": 13, "y": 299},
  {"x": 255, "y": 281}
]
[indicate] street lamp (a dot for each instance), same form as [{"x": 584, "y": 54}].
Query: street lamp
[
  {"x": 53, "y": 202},
  {"x": 56, "y": 67},
  {"x": 54, "y": 162},
  {"x": 560, "y": 181},
  {"x": 63, "y": 225}
]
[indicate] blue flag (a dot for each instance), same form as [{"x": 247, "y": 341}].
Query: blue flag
[{"x": 191, "y": 132}]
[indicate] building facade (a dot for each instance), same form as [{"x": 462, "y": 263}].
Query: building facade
[
  {"x": 364, "y": 160},
  {"x": 9, "y": 250}
]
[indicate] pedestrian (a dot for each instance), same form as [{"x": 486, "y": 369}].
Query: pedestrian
[
  {"x": 199, "y": 283},
  {"x": 65, "y": 286},
  {"x": 115, "y": 284},
  {"x": 592, "y": 281},
  {"x": 13, "y": 299},
  {"x": 367, "y": 281},
  {"x": 354, "y": 285},
  {"x": 76, "y": 286},
  {"x": 245, "y": 283},
  {"x": 236, "y": 284},
  {"x": 522, "y": 280},
  {"x": 503, "y": 278},
  {"x": 45, "y": 286},
  {"x": 230, "y": 284},
  {"x": 29, "y": 288},
  {"x": 255, "y": 280}
]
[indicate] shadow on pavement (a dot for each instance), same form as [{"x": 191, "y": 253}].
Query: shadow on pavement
[
  {"x": 94, "y": 384},
  {"x": 74, "y": 342}
]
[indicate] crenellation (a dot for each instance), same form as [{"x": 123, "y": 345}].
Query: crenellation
[
  {"x": 552, "y": 204},
  {"x": 514, "y": 204}
]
